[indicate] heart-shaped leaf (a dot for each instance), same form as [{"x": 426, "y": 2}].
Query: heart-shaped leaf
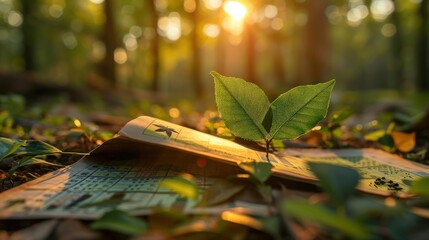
[
  {"x": 248, "y": 113},
  {"x": 243, "y": 106},
  {"x": 300, "y": 109}
]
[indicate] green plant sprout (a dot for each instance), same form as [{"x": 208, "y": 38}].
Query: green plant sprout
[
  {"x": 28, "y": 152},
  {"x": 248, "y": 113}
]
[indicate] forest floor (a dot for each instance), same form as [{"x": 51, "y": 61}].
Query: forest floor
[{"x": 389, "y": 127}]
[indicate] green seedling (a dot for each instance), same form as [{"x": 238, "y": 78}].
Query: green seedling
[{"x": 248, "y": 113}]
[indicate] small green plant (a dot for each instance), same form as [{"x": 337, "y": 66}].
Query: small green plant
[
  {"x": 27, "y": 152},
  {"x": 248, "y": 113}
]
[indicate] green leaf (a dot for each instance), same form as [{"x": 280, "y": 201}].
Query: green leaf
[
  {"x": 35, "y": 147},
  {"x": 338, "y": 181},
  {"x": 272, "y": 225},
  {"x": 259, "y": 170},
  {"x": 265, "y": 191},
  {"x": 375, "y": 136},
  {"x": 243, "y": 106},
  {"x": 221, "y": 191},
  {"x": 390, "y": 128},
  {"x": 183, "y": 185},
  {"x": 420, "y": 186},
  {"x": 341, "y": 116},
  {"x": 278, "y": 145},
  {"x": 305, "y": 211},
  {"x": 18, "y": 165},
  {"x": 369, "y": 207},
  {"x": 386, "y": 142},
  {"x": 9, "y": 146},
  {"x": 297, "y": 111},
  {"x": 268, "y": 120},
  {"x": 34, "y": 160},
  {"x": 120, "y": 221},
  {"x": 418, "y": 156},
  {"x": 12, "y": 103}
]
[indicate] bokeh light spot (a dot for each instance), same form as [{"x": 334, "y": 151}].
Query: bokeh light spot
[
  {"x": 211, "y": 30},
  {"x": 201, "y": 162},
  {"x": 213, "y": 4},
  {"x": 235, "y": 9},
  {"x": 14, "y": 19},
  {"x": 277, "y": 24},
  {"x": 189, "y": 6},
  {"x": 270, "y": 11},
  {"x": 174, "y": 112},
  {"x": 388, "y": 30},
  {"x": 120, "y": 56}
]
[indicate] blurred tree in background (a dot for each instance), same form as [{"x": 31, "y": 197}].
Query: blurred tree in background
[{"x": 168, "y": 47}]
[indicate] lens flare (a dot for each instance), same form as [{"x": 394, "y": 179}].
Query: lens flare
[{"x": 235, "y": 9}]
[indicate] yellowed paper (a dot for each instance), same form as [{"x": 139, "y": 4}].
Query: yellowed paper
[{"x": 126, "y": 172}]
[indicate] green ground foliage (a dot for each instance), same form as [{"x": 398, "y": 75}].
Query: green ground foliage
[
  {"x": 35, "y": 140},
  {"x": 72, "y": 73}
]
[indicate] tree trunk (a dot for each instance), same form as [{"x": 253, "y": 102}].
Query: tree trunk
[
  {"x": 221, "y": 45},
  {"x": 154, "y": 87},
  {"x": 250, "y": 61},
  {"x": 109, "y": 39},
  {"x": 316, "y": 42},
  {"x": 397, "y": 49},
  {"x": 422, "y": 48},
  {"x": 278, "y": 45},
  {"x": 196, "y": 60},
  {"x": 278, "y": 58},
  {"x": 28, "y": 28}
]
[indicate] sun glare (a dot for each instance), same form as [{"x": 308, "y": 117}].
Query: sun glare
[{"x": 235, "y": 9}]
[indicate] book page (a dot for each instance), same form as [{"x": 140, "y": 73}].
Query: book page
[
  {"x": 126, "y": 171},
  {"x": 164, "y": 133},
  {"x": 291, "y": 164},
  {"x": 93, "y": 186},
  {"x": 371, "y": 164}
]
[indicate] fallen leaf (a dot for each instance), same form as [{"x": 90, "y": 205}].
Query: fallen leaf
[
  {"x": 404, "y": 142},
  {"x": 3, "y": 175}
]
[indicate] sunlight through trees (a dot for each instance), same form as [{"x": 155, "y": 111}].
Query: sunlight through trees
[{"x": 168, "y": 46}]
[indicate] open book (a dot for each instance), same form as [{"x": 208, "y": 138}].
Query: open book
[{"x": 127, "y": 170}]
